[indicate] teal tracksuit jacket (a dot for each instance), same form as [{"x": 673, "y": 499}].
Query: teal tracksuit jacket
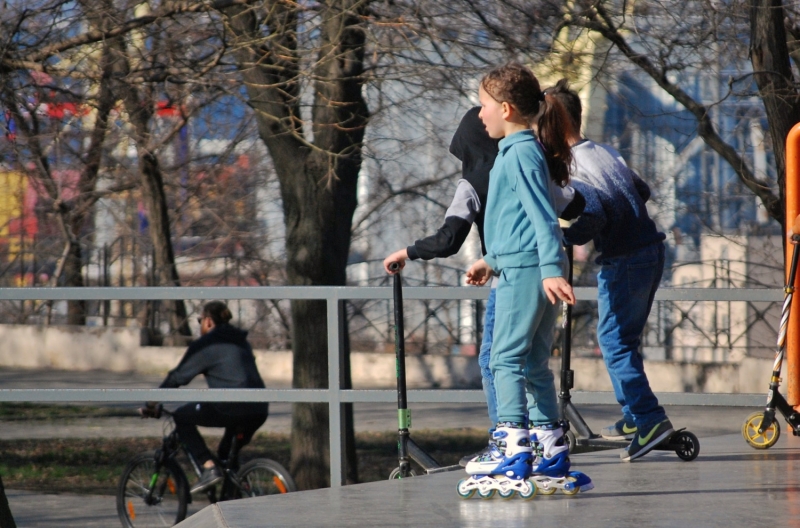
[{"x": 521, "y": 223}]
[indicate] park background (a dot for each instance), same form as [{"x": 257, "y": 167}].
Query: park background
[{"x": 298, "y": 143}]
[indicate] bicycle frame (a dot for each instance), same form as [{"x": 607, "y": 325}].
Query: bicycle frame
[{"x": 171, "y": 446}]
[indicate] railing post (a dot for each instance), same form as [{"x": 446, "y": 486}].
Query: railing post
[
  {"x": 792, "y": 198},
  {"x": 335, "y": 381}
]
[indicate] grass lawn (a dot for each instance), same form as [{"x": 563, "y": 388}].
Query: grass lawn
[{"x": 95, "y": 465}]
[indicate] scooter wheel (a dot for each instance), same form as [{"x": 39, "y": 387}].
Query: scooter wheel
[
  {"x": 569, "y": 436},
  {"x": 395, "y": 474},
  {"x": 758, "y": 440},
  {"x": 690, "y": 445}
]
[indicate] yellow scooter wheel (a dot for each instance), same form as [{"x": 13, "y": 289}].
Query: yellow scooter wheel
[{"x": 758, "y": 440}]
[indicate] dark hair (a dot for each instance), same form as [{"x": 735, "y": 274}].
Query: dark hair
[
  {"x": 218, "y": 312},
  {"x": 571, "y": 101},
  {"x": 516, "y": 85}
]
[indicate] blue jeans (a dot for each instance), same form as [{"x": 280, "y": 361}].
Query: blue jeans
[
  {"x": 483, "y": 359},
  {"x": 626, "y": 287},
  {"x": 523, "y": 336}
]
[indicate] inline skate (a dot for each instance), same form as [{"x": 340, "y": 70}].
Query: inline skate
[
  {"x": 551, "y": 468},
  {"x": 504, "y": 469}
]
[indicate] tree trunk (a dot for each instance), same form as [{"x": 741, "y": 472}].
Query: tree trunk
[
  {"x": 769, "y": 55},
  {"x": 6, "y": 519},
  {"x": 73, "y": 277},
  {"x": 318, "y": 183},
  {"x": 140, "y": 111},
  {"x": 160, "y": 234}
]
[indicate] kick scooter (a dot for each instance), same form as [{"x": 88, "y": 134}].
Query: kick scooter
[
  {"x": 406, "y": 447},
  {"x": 761, "y": 430},
  {"x": 685, "y": 444}
]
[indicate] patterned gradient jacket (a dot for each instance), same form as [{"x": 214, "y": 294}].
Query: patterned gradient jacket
[{"x": 615, "y": 216}]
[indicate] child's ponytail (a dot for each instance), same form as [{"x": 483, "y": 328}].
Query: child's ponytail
[
  {"x": 517, "y": 85},
  {"x": 553, "y": 127}
]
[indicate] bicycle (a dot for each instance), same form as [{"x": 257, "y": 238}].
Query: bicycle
[{"x": 154, "y": 490}]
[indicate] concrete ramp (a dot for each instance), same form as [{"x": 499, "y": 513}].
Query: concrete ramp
[{"x": 729, "y": 484}]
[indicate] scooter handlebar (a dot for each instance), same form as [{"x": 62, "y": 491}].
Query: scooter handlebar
[{"x": 394, "y": 266}]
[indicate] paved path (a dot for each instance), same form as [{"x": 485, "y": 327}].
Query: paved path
[
  {"x": 36, "y": 510},
  {"x": 708, "y": 421}
]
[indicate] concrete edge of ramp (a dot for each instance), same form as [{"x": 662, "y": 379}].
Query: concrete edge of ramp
[{"x": 209, "y": 517}]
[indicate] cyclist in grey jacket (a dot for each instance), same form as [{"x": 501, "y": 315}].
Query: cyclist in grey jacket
[{"x": 224, "y": 356}]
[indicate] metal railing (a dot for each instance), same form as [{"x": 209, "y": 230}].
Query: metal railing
[{"x": 335, "y": 395}]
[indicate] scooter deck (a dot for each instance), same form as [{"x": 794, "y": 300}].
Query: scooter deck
[{"x": 598, "y": 441}]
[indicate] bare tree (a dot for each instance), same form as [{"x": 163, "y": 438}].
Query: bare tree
[{"x": 22, "y": 95}]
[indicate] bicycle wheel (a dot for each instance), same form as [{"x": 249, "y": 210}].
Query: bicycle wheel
[
  {"x": 263, "y": 476},
  {"x": 167, "y": 504}
]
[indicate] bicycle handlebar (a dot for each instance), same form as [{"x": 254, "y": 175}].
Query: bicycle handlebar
[{"x": 153, "y": 411}]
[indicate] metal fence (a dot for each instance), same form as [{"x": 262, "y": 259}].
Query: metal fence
[{"x": 335, "y": 395}]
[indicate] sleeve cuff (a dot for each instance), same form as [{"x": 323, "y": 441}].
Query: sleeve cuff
[
  {"x": 549, "y": 271},
  {"x": 491, "y": 261},
  {"x": 412, "y": 253}
]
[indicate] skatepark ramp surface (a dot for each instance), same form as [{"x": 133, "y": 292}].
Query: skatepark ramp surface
[{"x": 729, "y": 484}]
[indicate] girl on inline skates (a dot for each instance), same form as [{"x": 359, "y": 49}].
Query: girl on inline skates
[{"x": 524, "y": 250}]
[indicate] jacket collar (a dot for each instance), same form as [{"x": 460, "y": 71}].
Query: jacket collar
[{"x": 516, "y": 137}]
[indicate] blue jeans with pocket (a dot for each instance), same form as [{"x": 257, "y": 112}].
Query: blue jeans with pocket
[
  {"x": 483, "y": 359},
  {"x": 626, "y": 288}
]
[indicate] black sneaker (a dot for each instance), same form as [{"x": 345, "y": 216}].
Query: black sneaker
[
  {"x": 465, "y": 460},
  {"x": 621, "y": 430},
  {"x": 643, "y": 444},
  {"x": 208, "y": 478}
]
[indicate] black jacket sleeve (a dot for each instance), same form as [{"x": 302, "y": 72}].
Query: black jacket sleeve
[
  {"x": 449, "y": 238},
  {"x": 189, "y": 367}
]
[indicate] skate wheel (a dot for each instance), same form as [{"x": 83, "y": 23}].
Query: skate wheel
[
  {"x": 570, "y": 488},
  {"x": 529, "y": 492},
  {"x": 506, "y": 494},
  {"x": 758, "y": 440},
  {"x": 690, "y": 446},
  {"x": 488, "y": 494},
  {"x": 545, "y": 488},
  {"x": 462, "y": 490}
]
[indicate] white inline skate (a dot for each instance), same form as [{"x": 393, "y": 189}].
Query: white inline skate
[
  {"x": 551, "y": 466},
  {"x": 504, "y": 469}
]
